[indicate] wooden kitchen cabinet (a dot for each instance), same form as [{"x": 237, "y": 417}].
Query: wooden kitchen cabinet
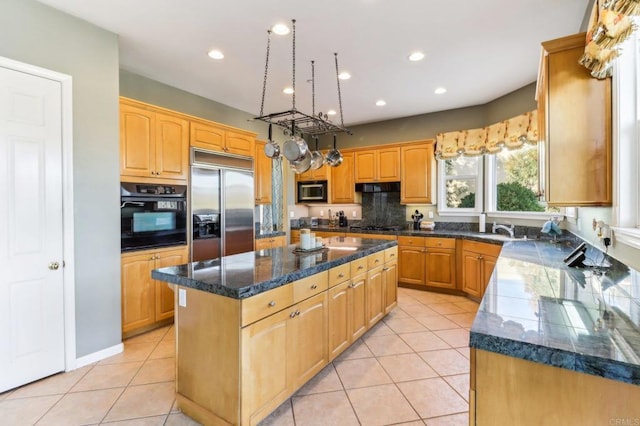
[
  {"x": 342, "y": 184},
  {"x": 440, "y": 262},
  {"x": 145, "y": 301},
  {"x": 214, "y": 137},
  {"x": 377, "y": 165},
  {"x": 263, "y": 175},
  {"x": 478, "y": 262},
  {"x": 411, "y": 266},
  {"x": 416, "y": 166},
  {"x": 322, "y": 173},
  {"x": 574, "y": 113},
  {"x": 154, "y": 144},
  {"x": 390, "y": 279},
  {"x": 270, "y": 242},
  {"x": 374, "y": 296}
]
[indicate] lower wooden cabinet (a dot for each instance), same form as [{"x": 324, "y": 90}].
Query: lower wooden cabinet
[
  {"x": 478, "y": 263},
  {"x": 146, "y": 301},
  {"x": 270, "y": 242},
  {"x": 427, "y": 261},
  {"x": 390, "y": 284},
  {"x": 265, "y": 347},
  {"x": 411, "y": 267}
]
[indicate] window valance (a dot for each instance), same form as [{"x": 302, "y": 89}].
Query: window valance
[
  {"x": 610, "y": 24},
  {"x": 511, "y": 134}
]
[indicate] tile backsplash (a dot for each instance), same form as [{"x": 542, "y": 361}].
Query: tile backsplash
[{"x": 382, "y": 208}]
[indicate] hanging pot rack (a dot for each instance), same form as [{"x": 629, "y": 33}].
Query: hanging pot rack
[{"x": 294, "y": 121}]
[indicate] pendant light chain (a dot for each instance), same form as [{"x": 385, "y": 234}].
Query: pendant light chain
[
  {"x": 293, "y": 99},
  {"x": 266, "y": 71},
  {"x": 339, "y": 94},
  {"x": 313, "y": 89}
]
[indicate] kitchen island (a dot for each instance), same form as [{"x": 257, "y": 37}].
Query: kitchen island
[
  {"x": 552, "y": 344},
  {"x": 253, "y": 328}
]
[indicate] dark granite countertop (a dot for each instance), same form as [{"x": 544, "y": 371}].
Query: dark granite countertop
[
  {"x": 582, "y": 319},
  {"x": 268, "y": 234},
  {"x": 444, "y": 233},
  {"x": 247, "y": 274}
]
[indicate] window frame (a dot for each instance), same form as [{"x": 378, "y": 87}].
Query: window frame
[
  {"x": 626, "y": 137},
  {"x": 443, "y": 210}
]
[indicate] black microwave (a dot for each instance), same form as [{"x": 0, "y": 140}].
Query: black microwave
[{"x": 313, "y": 192}]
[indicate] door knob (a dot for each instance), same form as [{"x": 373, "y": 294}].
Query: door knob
[{"x": 54, "y": 266}]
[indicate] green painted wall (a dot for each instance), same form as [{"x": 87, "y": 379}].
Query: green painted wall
[{"x": 39, "y": 35}]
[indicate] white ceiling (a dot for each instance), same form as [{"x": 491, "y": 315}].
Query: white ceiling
[{"x": 478, "y": 50}]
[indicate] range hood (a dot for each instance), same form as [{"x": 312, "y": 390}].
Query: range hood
[{"x": 378, "y": 187}]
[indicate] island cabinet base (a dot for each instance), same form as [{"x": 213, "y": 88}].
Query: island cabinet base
[
  {"x": 239, "y": 359},
  {"x": 512, "y": 391}
]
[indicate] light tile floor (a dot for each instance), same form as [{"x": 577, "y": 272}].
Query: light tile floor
[{"x": 410, "y": 369}]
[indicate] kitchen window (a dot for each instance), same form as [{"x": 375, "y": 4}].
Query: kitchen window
[
  {"x": 462, "y": 181},
  {"x": 626, "y": 128}
]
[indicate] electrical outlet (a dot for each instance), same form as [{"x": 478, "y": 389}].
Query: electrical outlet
[
  {"x": 353, "y": 213},
  {"x": 321, "y": 213},
  {"x": 430, "y": 214},
  {"x": 291, "y": 215}
]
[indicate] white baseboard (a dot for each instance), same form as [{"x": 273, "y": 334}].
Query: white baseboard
[{"x": 100, "y": 355}]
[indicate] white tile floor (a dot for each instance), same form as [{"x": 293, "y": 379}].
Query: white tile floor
[{"x": 410, "y": 369}]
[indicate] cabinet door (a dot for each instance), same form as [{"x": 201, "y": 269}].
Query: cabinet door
[
  {"x": 263, "y": 175},
  {"x": 388, "y": 164},
  {"x": 165, "y": 297},
  {"x": 471, "y": 270},
  {"x": 280, "y": 241},
  {"x": 390, "y": 281},
  {"x": 137, "y": 141},
  {"x": 262, "y": 244},
  {"x": 374, "y": 296},
  {"x": 578, "y": 127},
  {"x": 416, "y": 174},
  {"x": 264, "y": 354},
  {"x": 339, "y": 335},
  {"x": 358, "y": 306},
  {"x": 295, "y": 236},
  {"x": 441, "y": 268},
  {"x": 239, "y": 143},
  {"x": 342, "y": 184},
  {"x": 172, "y": 147},
  {"x": 138, "y": 293},
  {"x": 411, "y": 268},
  {"x": 308, "y": 339},
  {"x": 365, "y": 166},
  {"x": 207, "y": 136}
]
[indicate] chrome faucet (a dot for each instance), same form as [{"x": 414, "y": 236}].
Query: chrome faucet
[{"x": 509, "y": 229}]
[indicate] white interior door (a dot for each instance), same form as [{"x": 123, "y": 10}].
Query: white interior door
[{"x": 32, "y": 341}]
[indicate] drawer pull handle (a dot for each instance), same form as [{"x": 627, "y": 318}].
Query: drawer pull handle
[
  {"x": 385, "y": 269},
  {"x": 352, "y": 285},
  {"x": 377, "y": 260},
  {"x": 313, "y": 286},
  {"x": 292, "y": 314},
  {"x": 340, "y": 275},
  {"x": 272, "y": 303},
  {"x": 392, "y": 255},
  {"x": 360, "y": 267},
  {"x": 297, "y": 313}
]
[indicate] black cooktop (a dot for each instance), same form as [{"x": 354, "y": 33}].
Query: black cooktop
[{"x": 376, "y": 228}]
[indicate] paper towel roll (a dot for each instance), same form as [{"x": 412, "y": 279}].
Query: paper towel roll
[{"x": 482, "y": 222}]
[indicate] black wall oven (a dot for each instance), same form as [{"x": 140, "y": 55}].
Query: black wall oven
[{"x": 152, "y": 215}]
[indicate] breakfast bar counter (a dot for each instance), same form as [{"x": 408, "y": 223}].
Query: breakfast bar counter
[{"x": 553, "y": 344}]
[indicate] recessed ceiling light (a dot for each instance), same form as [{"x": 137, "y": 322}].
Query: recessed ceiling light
[
  {"x": 288, "y": 90},
  {"x": 280, "y": 29},
  {"x": 215, "y": 54},
  {"x": 331, "y": 112},
  {"x": 440, "y": 91},
  {"x": 416, "y": 56},
  {"x": 344, "y": 75},
  {"x": 380, "y": 103}
]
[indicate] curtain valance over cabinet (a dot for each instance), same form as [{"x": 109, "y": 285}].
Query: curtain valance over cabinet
[
  {"x": 609, "y": 25},
  {"x": 511, "y": 133}
]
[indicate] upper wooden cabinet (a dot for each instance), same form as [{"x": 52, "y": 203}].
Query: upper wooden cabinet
[
  {"x": 574, "y": 111},
  {"x": 153, "y": 143},
  {"x": 342, "y": 185},
  {"x": 416, "y": 161},
  {"x": 377, "y": 165},
  {"x": 318, "y": 174},
  {"x": 209, "y": 135},
  {"x": 262, "y": 175}
]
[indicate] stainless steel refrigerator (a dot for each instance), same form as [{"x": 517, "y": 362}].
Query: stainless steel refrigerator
[{"x": 222, "y": 205}]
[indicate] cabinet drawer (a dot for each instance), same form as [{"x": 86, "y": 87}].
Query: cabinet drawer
[
  {"x": 440, "y": 242},
  {"x": 483, "y": 248},
  {"x": 358, "y": 266},
  {"x": 411, "y": 241},
  {"x": 307, "y": 287},
  {"x": 391, "y": 254},
  {"x": 375, "y": 259},
  {"x": 267, "y": 303},
  {"x": 339, "y": 274}
]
